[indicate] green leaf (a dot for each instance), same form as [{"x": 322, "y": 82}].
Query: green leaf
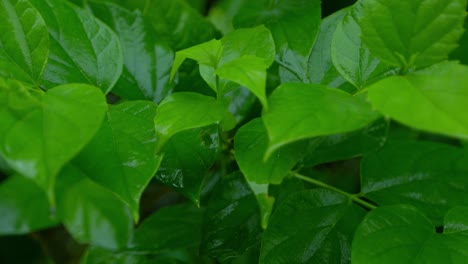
[
  {"x": 433, "y": 99},
  {"x": 121, "y": 156},
  {"x": 347, "y": 145},
  {"x": 169, "y": 228},
  {"x": 231, "y": 224},
  {"x": 294, "y": 25},
  {"x": 313, "y": 226},
  {"x": 24, "y": 41},
  {"x": 56, "y": 125},
  {"x": 207, "y": 53},
  {"x": 183, "y": 111},
  {"x": 147, "y": 59},
  {"x": 423, "y": 33},
  {"x": 91, "y": 213},
  {"x": 320, "y": 68},
  {"x": 402, "y": 234},
  {"x": 187, "y": 158},
  {"x": 256, "y": 41},
  {"x": 24, "y": 207},
  {"x": 178, "y": 23},
  {"x": 82, "y": 48},
  {"x": 299, "y": 111},
  {"x": 250, "y": 144},
  {"x": 249, "y": 71},
  {"x": 351, "y": 57},
  {"x": 406, "y": 172}
]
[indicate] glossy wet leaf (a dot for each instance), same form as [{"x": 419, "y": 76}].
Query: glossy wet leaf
[
  {"x": 56, "y": 125},
  {"x": 24, "y": 207},
  {"x": 433, "y": 99},
  {"x": 423, "y": 33},
  {"x": 413, "y": 238},
  {"x": 294, "y": 25},
  {"x": 241, "y": 101},
  {"x": 187, "y": 158},
  {"x": 170, "y": 228},
  {"x": 178, "y": 23},
  {"x": 82, "y": 48},
  {"x": 311, "y": 227},
  {"x": 121, "y": 156},
  {"x": 250, "y": 144},
  {"x": 347, "y": 145},
  {"x": 147, "y": 59},
  {"x": 91, "y": 213},
  {"x": 183, "y": 111},
  {"x": 248, "y": 71},
  {"x": 429, "y": 176},
  {"x": 299, "y": 111},
  {"x": 351, "y": 57},
  {"x": 24, "y": 41},
  {"x": 231, "y": 224}
]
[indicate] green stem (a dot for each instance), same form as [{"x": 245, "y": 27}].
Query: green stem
[{"x": 353, "y": 197}]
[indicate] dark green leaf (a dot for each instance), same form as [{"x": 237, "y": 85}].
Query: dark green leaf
[
  {"x": 56, "y": 125},
  {"x": 429, "y": 176},
  {"x": 82, "y": 48},
  {"x": 294, "y": 25},
  {"x": 402, "y": 234},
  {"x": 299, "y": 111},
  {"x": 183, "y": 111},
  {"x": 250, "y": 144},
  {"x": 178, "y": 23},
  {"x": 121, "y": 156},
  {"x": 423, "y": 33},
  {"x": 460, "y": 53},
  {"x": 349, "y": 55},
  {"x": 433, "y": 99},
  {"x": 187, "y": 158},
  {"x": 24, "y": 41},
  {"x": 170, "y": 228},
  {"x": 23, "y": 207},
  {"x": 147, "y": 59},
  {"x": 91, "y": 213},
  {"x": 231, "y": 224},
  {"x": 347, "y": 145},
  {"x": 314, "y": 226}
]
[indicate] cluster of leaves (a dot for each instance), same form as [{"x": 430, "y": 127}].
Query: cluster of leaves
[{"x": 294, "y": 139}]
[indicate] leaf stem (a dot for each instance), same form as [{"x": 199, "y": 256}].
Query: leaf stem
[{"x": 353, "y": 197}]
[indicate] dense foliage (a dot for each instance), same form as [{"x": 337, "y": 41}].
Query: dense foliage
[{"x": 233, "y": 131}]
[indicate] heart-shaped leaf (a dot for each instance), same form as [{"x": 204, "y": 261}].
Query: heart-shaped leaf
[
  {"x": 24, "y": 41},
  {"x": 56, "y": 125},
  {"x": 402, "y": 234},
  {"x": 121, "y": 156},
  {"x": 82, "y": 48},
  {"x": 351, "y": 57},
  {"x": 423, "y": 33}
]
